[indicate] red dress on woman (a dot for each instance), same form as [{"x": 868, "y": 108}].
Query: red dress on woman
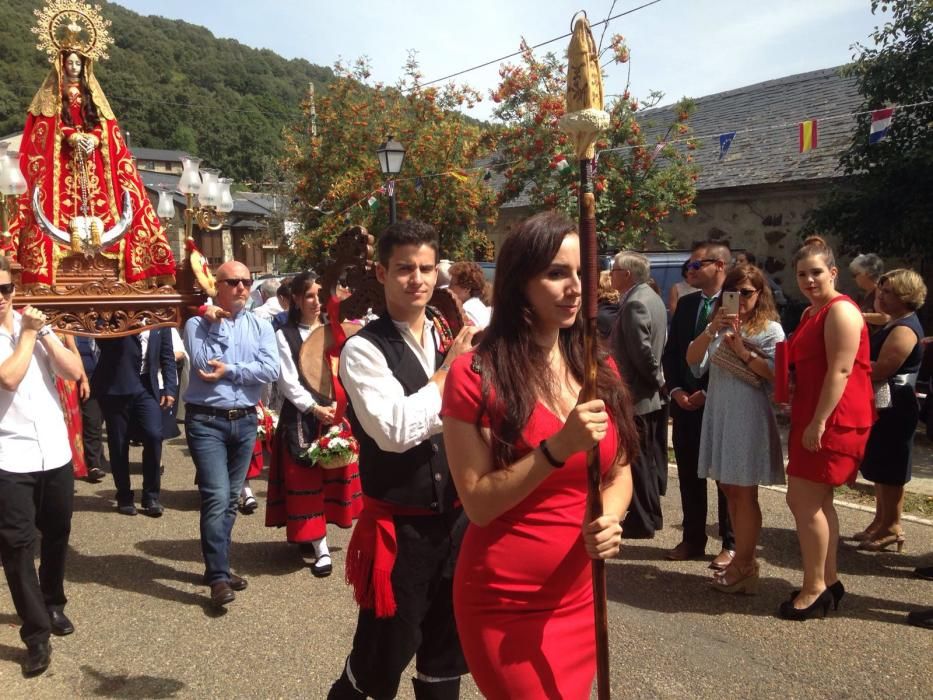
[
  {"x": 848, "y": 426},
  {"x": 523, "y": 594}
]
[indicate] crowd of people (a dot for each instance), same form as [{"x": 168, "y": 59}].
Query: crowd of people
[{"x": 469, "y": 492}]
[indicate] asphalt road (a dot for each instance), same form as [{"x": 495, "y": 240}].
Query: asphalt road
[{"x": 145, "y": 630}]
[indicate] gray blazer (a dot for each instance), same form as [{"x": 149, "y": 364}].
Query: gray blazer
[{"x": 637, "y": 342}]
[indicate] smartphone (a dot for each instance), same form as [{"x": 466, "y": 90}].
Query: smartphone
[{"x": 730, "y": 303}]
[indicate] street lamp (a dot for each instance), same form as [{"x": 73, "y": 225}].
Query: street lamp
[
  {"x": 391, "y": 154},
  {"x": 12, "y": 185},
  {"x": 213, "y": 196}
]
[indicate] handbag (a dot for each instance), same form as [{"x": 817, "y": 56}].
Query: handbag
[
  {"x": 726, "y": 358},
  {"x": 882, "y": 391}
]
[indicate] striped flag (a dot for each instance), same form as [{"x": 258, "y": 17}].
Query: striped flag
[
  {"x": 808, "y": 138},
  {"x": 462, "y": 176},
  {"x": 389, "y": 188},
  {"x": 372, "y": 201},
  {"x": 880, "y": 124}
]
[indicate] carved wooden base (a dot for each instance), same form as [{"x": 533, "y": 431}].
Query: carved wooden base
[{"x": 89, "y": 299}]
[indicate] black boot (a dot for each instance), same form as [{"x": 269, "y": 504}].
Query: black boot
[
  {"x": 442, "y": 690},
  {"x": 343, "y": 689}
]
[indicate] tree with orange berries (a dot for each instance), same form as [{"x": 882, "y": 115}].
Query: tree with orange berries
[
  {"x": 638, "y": 183},
  {"x": 337, "y": 174}
]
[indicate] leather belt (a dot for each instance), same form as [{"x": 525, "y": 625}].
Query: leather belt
[{"x": 227, "y": 413}]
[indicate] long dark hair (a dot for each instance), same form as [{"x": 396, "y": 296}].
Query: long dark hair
[
  {"x": 511, "y": 361},
  {"x": 89, "y": 115},
  {"x": 299, "y": 286}
]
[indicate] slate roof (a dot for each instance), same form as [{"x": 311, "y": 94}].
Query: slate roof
[
  {"x": 159, "y": 154},
  {"x": 768, "y": 153}
]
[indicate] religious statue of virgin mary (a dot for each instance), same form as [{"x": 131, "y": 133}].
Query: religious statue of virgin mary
[{"x": 84, "y": 193}]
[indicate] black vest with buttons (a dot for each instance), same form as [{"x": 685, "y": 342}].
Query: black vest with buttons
[{"x": 418, "y": 477}]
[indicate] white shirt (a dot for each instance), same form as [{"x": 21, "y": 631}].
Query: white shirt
[
  {"x": 395, "y": 421},
  {"x": 33, "y": 410},
  {"x": 289, "y": 382},
  {"x": 269, "y": 310},
  {"x": 477, "y": 311},
  {"x": 144, "y": 346}
]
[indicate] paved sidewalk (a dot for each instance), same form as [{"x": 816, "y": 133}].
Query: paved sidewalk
[{"x": 144, "y": 629}]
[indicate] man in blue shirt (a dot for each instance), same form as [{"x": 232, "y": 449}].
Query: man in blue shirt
[{"x": 233, "y": 355}]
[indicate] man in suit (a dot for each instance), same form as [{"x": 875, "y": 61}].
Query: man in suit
[
  {"x": 637, "y": 342},
  {"x": 92, "y": 420},
  {"x": 706, "y": 270},
  {"x": 126, "y": 383}
]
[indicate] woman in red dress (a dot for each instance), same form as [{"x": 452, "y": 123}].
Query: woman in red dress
[
  {"x": 832, "y": 411},
  {"x": 516, "y": 438}
]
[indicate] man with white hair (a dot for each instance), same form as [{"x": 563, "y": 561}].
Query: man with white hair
[
  {"x": 270, "y": 302},
  {"x": 637, "y": 342}
]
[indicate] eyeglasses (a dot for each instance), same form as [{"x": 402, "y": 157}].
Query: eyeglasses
[
  {"x": 743, "y": 292},
  {"x": 7, "y": 289},
  {"x": 234, "y": 281},
  {"x": 697, "y": 264}
]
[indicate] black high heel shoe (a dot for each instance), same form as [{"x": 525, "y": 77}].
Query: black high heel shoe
[
  {"x": 837, "y": 590},
  {"x": 788, "y": 612}
]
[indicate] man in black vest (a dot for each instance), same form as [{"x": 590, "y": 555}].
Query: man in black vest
[
  {"x": 401, "y": 558},
  {"x": 706, "y": 270}
]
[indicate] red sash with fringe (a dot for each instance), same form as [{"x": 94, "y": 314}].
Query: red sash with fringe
[{"x": 371, "y": 555}]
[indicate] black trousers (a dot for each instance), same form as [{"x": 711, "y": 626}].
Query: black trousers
[
  {"x": 127, "y": 415},
  {"x": 92, "y": 418},
  {"x": 423, "y": 625},
  {"x": 686, "y": 439},
  {"x": 649, "y": 477},
  {"x": 38, "y": 502}
]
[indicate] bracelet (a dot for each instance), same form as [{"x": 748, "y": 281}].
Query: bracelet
[{"x": 552, "y": 460}]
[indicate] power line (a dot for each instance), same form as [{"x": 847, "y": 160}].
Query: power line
[{"x": 536, "y": 46}]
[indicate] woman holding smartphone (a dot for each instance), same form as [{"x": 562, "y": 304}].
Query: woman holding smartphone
[{"x": 740, "y": 445}]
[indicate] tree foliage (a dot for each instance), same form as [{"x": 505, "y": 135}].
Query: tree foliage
[
  {"x": 336, "y": 169},
  {"x": 886, "y": 203},
  {"x": 636, "y": 187},
  {"x": 172, "y": 85}
]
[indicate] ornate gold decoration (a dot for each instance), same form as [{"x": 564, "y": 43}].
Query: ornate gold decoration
[
  {"x": 585, "y": 117},
  {"x": 70, "y": 25}
]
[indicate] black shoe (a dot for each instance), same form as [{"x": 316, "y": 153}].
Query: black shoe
[
  {"x": 322, "y": 567},
  {"x": 789, "y": 612},
  {"x": 38, "y": 657},
  {"x": 221, "y": 594},
  {"x": 238, "y": 583},
  {"x": 153, "y": 509},
  {"x": 126, "y": 509},
  {"x": 248, "y": 505},
  {"x": 95, "y": 474},
  {"x": 925, "y": 572},
  {"x": 921, "y": 618},
  {"x": 61, "y": 625},
  {"x": 837, "y": 590}
]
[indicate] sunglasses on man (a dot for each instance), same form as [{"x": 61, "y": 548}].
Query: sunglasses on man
[
  {"x": 7, "y": 289},
  {"x": 697, "y": 264},
  {"x": 234, "y": 281}
]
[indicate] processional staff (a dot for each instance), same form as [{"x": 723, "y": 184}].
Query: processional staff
[{"x": 583, "y": 121}]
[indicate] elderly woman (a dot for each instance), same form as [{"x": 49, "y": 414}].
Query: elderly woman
[
  {"x": 866, "y": 269},
  {"x": 469, "y": 284},
  {"x": 830, "y": 419},
  {"x": 896, "y": 354}
]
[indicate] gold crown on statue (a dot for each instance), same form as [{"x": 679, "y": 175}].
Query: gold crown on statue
[{"x": 69, "y": 25}]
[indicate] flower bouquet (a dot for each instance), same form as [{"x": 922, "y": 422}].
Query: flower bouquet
[{"x": 335, "y": 449}]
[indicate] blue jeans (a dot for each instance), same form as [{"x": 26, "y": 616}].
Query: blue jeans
[{"x": 221, "y": 450}]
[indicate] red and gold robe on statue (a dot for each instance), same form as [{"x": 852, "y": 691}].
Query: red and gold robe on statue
[{"x": 50, "y": 162}]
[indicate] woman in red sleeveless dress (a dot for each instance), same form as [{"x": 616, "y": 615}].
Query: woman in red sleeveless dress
[
  {"x": 515, "y": 440},
  {"x": 831, "y": 416}
]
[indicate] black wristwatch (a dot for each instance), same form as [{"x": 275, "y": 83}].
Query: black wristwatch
[{"x": 552, "y": 460}]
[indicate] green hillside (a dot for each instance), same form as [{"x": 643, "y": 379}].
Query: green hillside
[{"x": 172, "y": 85}]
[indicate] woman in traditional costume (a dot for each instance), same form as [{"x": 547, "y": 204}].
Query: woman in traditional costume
[{"x": 84, "y": 193}]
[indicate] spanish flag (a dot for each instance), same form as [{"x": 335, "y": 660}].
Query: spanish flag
[
  {"x": 459, "y": 175},
  {"x": 808, "y": 139}
]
